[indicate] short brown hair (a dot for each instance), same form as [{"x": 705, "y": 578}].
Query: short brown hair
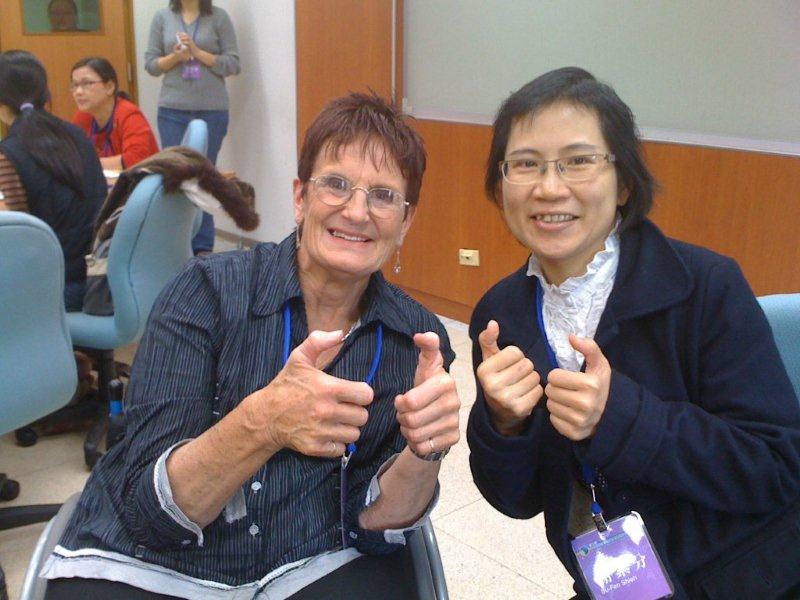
[{"x": 379, "y": 127}]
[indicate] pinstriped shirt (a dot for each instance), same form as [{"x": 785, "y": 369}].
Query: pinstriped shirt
[{"x": 215, "y": 336}]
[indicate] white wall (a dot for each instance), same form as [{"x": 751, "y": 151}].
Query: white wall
[{"x": 261, "y": 141}]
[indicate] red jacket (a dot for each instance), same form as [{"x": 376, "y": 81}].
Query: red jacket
[{"x": 130, "y": 136}]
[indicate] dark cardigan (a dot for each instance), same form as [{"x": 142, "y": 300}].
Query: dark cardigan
[{"x": 701, "y": 432}]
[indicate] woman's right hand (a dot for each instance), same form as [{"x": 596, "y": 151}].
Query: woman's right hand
[
  {"x": 510, "y": 384},
  {"x": 307, "y": 410}
]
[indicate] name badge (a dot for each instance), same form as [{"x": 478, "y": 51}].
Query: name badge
[
  {"x": 191, "y": 70},
  {"x": 621, "y": 563}
]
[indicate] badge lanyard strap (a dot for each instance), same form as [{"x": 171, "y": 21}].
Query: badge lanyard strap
[
  {"x": 351, "y": 448},
  {"x": 108, "y": 147},
  {"x": 589, "y": 474},
  {"x": 194, "y": 34}
]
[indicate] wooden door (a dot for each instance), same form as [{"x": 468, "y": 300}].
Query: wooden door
[
  {"x": 113, "y": 39},
  {"x": 344, "y": 46}
]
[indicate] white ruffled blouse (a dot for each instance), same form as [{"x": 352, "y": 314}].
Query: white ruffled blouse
[{"x": 576, "y": 305}]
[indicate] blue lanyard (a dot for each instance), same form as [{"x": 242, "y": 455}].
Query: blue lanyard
[
  {"x": 589, "y": 474},
  {"x": 351, "y": 448},
  {"x": 108, "y": 147},
  {"x": 196, "y": 27}
]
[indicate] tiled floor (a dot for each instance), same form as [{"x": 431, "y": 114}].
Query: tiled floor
[{"x": 485, "y": 554}]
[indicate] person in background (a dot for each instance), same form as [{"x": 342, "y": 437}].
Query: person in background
[
  {"x": 287, "y": 405},
  {"x": 63, "y": 15},
  {"x": 48, "y": 167},
  {"x": 623, "y": 372},
  {"x": 119, "y": 131},
  {"x": 193, "y": 45}
]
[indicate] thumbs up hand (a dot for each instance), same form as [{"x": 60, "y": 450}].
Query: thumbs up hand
[
  {"x": 509, "y": 382},
  {"x": 428, "y": 413},
  {"x": 307, "y": 410},
  {"x": 576, "y": 401}
]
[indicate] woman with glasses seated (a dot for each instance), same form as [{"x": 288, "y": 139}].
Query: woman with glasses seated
[
  {"x": 625, "y": 377},
  {"x": 47, "y": 167},
  {"x": 119, "y": 131},
  {"x": 288, "y": 408}
]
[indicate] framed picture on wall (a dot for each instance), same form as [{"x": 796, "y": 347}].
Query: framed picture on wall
[{"x": 61, "y": 16}]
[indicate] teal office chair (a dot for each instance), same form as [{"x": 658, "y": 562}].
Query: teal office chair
[
  {"x": 37, "y": 367},
  {"x": 151, "y": 242},
  {"x": 783, "y": 314},
  {"x": 196, "y": 136}
]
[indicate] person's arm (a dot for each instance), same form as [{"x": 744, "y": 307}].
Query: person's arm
[
  {"x": 13, "y": 193},
  {"x": 157, "y": 59},
  {"x": 138, "y": 142},
  {"x": 303, "y": 409},
  {"x": 428, "y": 417},
  {"x": 113, "y": 163},
  {"x": 227, "y": 61},
  {"x": 734, "y": 449},
  {"x": 504, "y": 454}
]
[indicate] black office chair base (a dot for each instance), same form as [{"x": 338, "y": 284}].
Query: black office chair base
[
  {"x": 9, "y": 489},
  {"x": 19, "y": 516}
]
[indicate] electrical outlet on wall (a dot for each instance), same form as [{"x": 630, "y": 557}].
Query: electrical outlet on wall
[{"x": 470, "y": 258}]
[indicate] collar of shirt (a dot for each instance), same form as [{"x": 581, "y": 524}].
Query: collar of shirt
[
  {"x": 577, "y": 304},
  {"x": 276, "y": 281}
]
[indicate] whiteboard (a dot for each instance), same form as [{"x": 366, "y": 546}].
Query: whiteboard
[{"x": 723, "y": 73}]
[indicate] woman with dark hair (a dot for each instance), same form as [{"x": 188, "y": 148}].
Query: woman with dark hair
[
  {"x": 628, "y": 383},
  {"x": 288, "y": 408},
  {"x": 47, "y": 166},
  {"x": 119, "y": 131},
  {"x": 193, "y": 44}
]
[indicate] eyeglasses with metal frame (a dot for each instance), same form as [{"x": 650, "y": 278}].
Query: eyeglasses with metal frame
[
  {"x": 83, "y": 84},
  {"x": 529, "y": 171},
  {"x": 382, "y": 203}
]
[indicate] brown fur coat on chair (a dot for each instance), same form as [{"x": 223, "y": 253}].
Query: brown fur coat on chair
[{"x": 176, "y": 165}]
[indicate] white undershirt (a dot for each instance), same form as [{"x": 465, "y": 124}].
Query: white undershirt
[{"x": 577, "y": 304}]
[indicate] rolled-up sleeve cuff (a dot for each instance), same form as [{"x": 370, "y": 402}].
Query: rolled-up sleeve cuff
[
  {"x": 387, "y": 540},
  {"x": 164, "y": 494},
  {"x": 397, "y": 536}
]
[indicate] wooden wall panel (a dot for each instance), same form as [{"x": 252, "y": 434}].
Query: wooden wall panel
[
  {"x": 342, "y": 46},
  {"x": 742, "y": 204},
  {"x": 59, "y": 51}
]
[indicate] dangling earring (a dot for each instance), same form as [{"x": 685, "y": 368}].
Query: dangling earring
[
  {"x": 397, "y": 268},
  {"x": 298, "y": 235}
]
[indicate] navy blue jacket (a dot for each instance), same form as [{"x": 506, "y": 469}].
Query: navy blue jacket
[
  {"x": 69, "y": 214},
  {"x": 701, "y": 431}
]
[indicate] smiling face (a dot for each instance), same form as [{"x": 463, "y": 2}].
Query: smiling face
[
  {"x": 346, "y": 242},
  {"x": 93, "y": 94},
  {"x": 564, "y": 224}
]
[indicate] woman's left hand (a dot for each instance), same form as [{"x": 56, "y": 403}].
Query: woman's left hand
[
  {"x": 428, "y": 413},
  {"x": 576, "y": 401}
]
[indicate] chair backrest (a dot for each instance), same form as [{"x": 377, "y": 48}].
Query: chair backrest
[
  {"x": 783, "y": 314},
  {"x": 37, "y": 367},
  {"x": 196, "y": 136},
  {"x": 151, "y": 243}
]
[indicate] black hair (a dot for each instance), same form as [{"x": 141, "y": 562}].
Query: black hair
[
  {"x": 46, "y": 138},
  {"x": 72, "y": 3},
  {"x": 105, "y": 71},
  {"x": 579, "y": 87},
  {"x": 205, "y": 6}
]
